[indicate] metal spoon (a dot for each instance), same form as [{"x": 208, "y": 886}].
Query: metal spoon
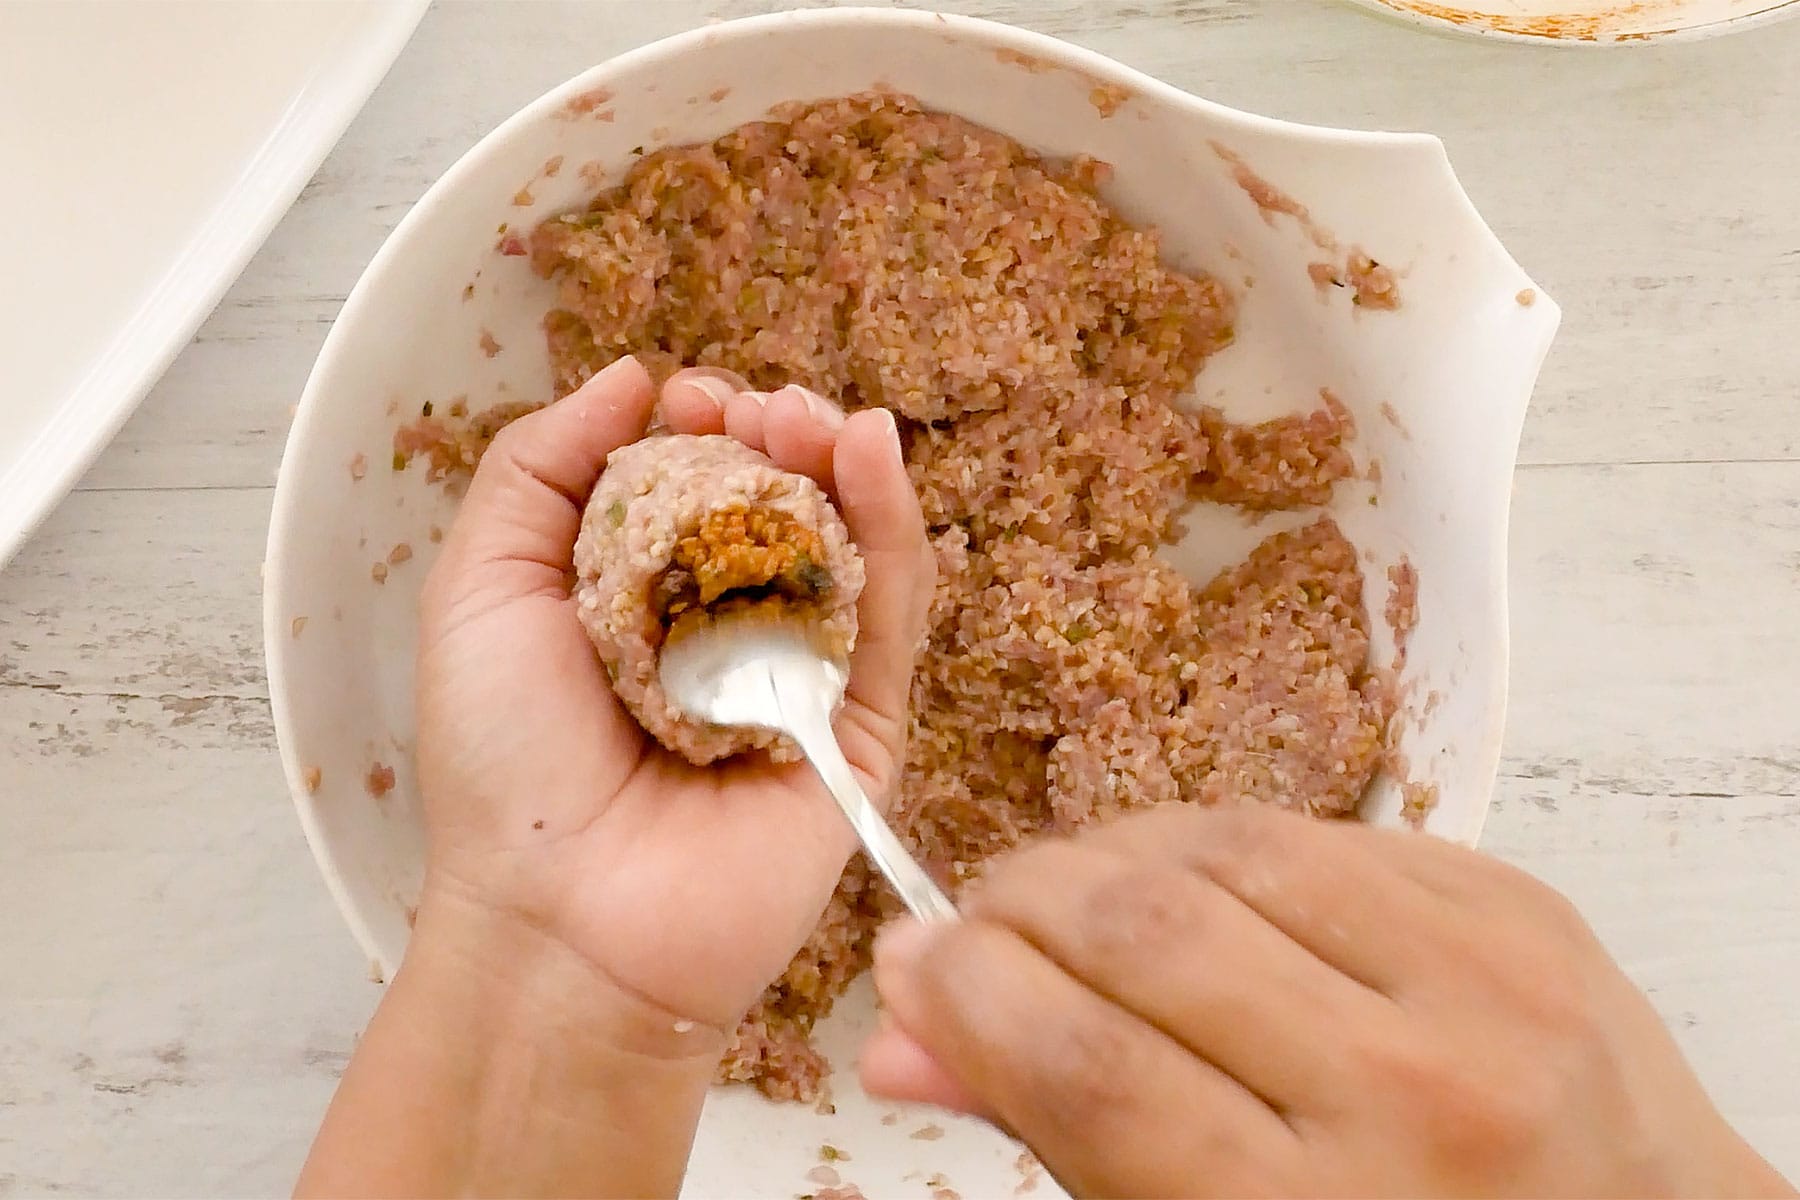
[{"x": 747, "y": 670}]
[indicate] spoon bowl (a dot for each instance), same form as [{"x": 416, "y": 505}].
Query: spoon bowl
[{"x": 753, "y": 668}]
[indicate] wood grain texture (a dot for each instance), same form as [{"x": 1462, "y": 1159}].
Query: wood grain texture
[{"x": 177, "y": 993}]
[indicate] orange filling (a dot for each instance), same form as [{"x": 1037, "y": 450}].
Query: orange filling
[{"x": 742, "y": 553}]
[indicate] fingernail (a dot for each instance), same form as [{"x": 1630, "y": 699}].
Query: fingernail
[
  {"x": 823, "y": 411},
  {"x": 600, "y": 380},
  {"x": 899, "y": 944},
  {"x": 716, "y": 390},
  {"x": 894, "y": 437},
  {"x": 628, "y": 365}
]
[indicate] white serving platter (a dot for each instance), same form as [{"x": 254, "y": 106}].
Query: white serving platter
[{"x": 146, "y": 151}]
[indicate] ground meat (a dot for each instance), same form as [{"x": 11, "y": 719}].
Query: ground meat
[
  {"x": 1416, "y": 802},
  {"x": 452, "y": 445},
  {"x": 1287, "y": 462},
  {"x": 1108, "y": 98},
  {"x": 1371, "y": 284},
  {"x": 867, "y": 249},
  {"x": 1374, "y": 285},
  {"x": 1402, "y": 608},
  {"x": 740, "y": 548},
  {"x": 1030, "y": 1171},
  {"x": 1036, "y": 349},
  {"x": 379, "y": 781}
]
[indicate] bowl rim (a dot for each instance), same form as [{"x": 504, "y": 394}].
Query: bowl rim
[{"x": 288, "y": 509}]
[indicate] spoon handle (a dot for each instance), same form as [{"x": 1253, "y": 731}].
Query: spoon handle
[{"x": 810, "y": 726}]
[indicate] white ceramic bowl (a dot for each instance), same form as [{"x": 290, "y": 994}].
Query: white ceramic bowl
[
  {"x": 1588, "y": 22},
  {"x": 1439, "y": 389}
]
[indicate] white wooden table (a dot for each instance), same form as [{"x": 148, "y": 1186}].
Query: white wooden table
[{"x": 177, "y": 995}]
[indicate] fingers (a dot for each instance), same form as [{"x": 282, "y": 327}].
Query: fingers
[
  {"x": 515, "y": 533},
  {"x": 895, "y": 1066},
  {"x": 800, "y": 432},
  {"x": 1332, "y": 887},
  {"x": 693, "y": 400},
  {"x": 744, "y": 419},
  {"x": 796, "y": 428},
  {"x": 1111, "y": 1104},
  {"x": 882, "y": 513},
  {"x": 1191, "y": 959}
]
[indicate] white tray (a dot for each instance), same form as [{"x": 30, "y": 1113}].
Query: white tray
[{"x": 146, "y": 150}]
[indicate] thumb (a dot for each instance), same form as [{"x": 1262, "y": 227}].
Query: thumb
[{"x": 515, "y": 533}]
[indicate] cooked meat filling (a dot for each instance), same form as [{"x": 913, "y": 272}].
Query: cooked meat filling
[{"x": 744, "y": 554}]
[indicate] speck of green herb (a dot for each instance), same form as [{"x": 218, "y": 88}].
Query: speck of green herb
[
  {"x": 425, "y": 409},
  {"x": 1312, "y": 591},
  {"x": 1356, "y": 299},
  {"x": 931, "y": 154},
  {"x": 637, "y": 149},
  {"x": 1077, "y": 633},
  {"x": 830, "y": 1153},
  {"x": 399, "y": 461},
  {"x": 811, "y": 576},
  {"x": 1009, "y": 533},
  {"x": 616, "y": 513}
]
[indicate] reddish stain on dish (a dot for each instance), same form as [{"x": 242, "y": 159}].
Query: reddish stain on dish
[
  {"x": 583, "y": 103},
  {"x": 380, "y": 780}
]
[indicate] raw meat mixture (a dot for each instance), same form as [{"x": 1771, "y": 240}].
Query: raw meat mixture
[
  {"x": 1035, "y": 345},
  {"x": 681, "y": 529}
]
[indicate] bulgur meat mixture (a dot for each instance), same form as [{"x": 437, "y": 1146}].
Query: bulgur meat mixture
[
  {"x": 1036, "y": 349},
  {"x": 678, "y": 531}
]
